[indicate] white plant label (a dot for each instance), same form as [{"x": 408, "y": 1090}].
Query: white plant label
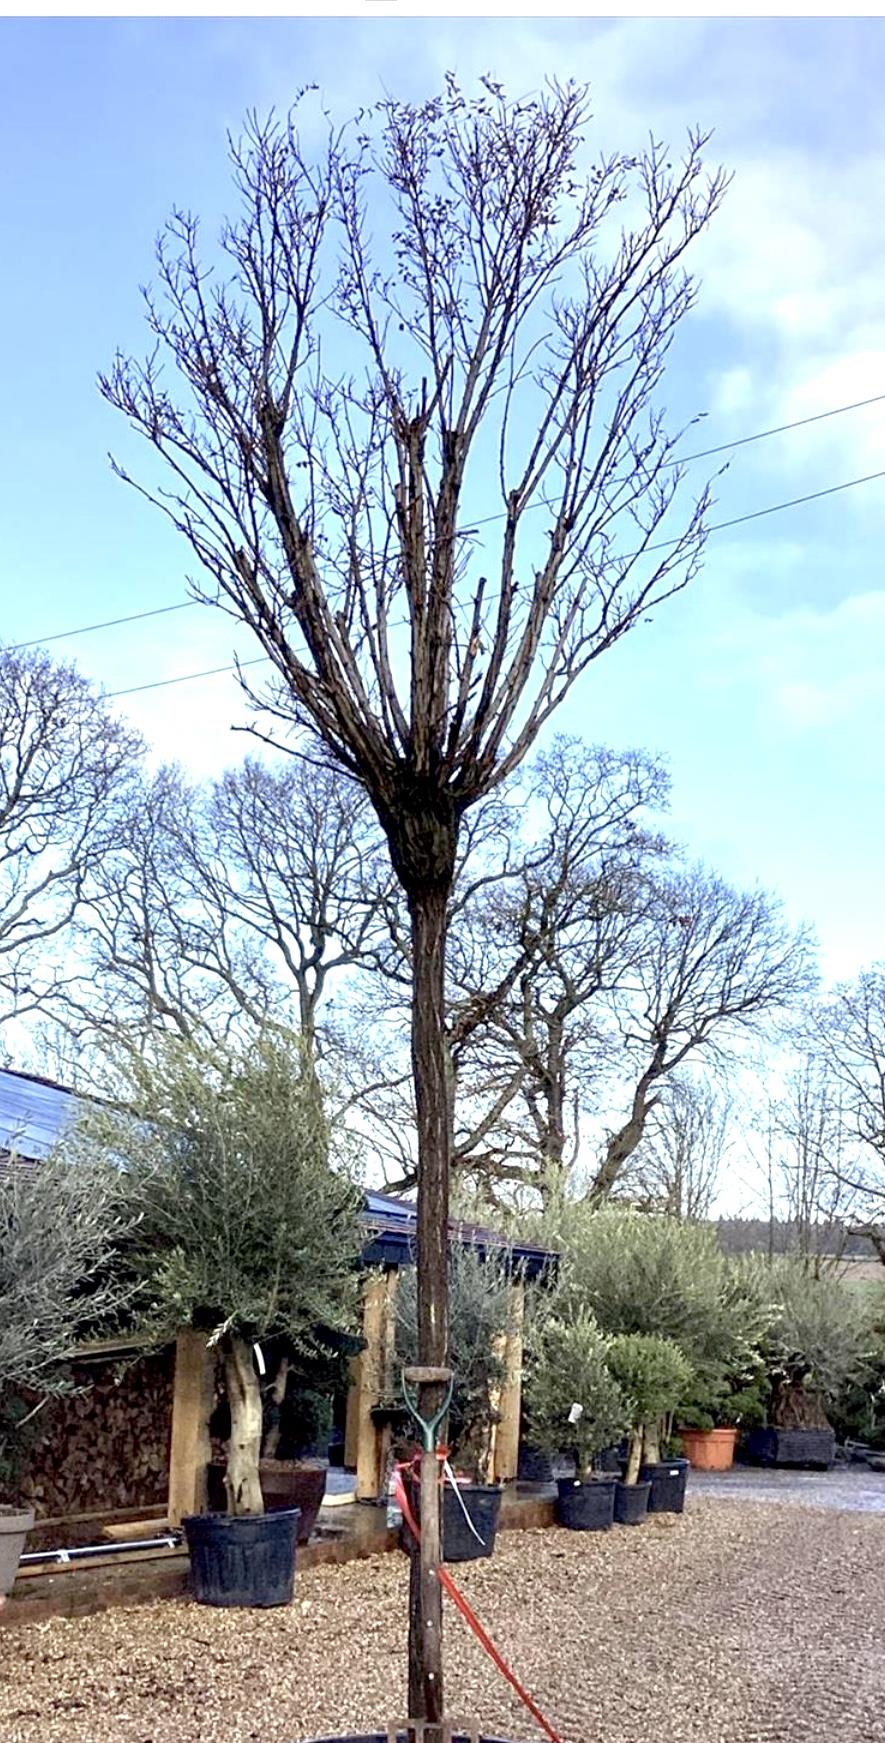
[
  {"x": 576, "y": 1412},
  {"x": 259, "y": 1358}
]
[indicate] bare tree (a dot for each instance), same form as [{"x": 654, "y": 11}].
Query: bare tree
[
  {"x": 228, "y": 908},
  {"x": 849, "y": 1032},
  {"x": 65, "y": 767},
  {"x": 677, "y": 1165},
  {"x": 716, "y": 965},
  {"x": 808, "y": 1119},
  {"x": 339, "y": 421},
  {"x": 533, "y": 956}
]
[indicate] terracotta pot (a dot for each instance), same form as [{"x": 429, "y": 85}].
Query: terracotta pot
[
  {"x": 709, "y": 1449},
  {"x": 285, "y": 1483}
]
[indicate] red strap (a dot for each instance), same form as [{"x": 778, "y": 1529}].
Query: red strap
[{"x": 472, "y": 1620}]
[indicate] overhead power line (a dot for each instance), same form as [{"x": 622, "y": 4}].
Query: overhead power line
[
  {"x": 718, "y": 527},
  {"x": 702, "y": 454}
]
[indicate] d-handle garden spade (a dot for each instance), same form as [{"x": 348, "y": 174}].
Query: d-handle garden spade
[
  {"x": 431, "y": 1728},
  {"x": 435, "y": 1728}
]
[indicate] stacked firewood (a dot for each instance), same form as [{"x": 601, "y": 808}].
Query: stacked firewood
[{"x": 106, "y": 1445}]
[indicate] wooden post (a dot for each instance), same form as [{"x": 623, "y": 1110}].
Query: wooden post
[
  {"x": 370, "y": 1384},
  {"x": 351, "y": 1420},
  {"x": 189, "y": 1449},
  {"x": 510, "y": 1401}
]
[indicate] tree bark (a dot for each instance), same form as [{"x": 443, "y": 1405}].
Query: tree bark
[
  {"x": 242, "y": 1480},
  {"x": 621, "y": 1144},
  {"x": 634, "y": 1458},
  {"x": 433, "y": 1106},
  {"x": 651, "y": 1443}
]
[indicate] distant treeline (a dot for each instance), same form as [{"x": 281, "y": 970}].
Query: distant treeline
[{"x": 747, "y": 1234}]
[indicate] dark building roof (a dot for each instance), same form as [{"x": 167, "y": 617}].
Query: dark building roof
[
  {"x": 394, "y": 1227},
  {"x": 35, "y": 1112}
]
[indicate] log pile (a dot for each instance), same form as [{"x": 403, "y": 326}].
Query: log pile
[{"x": 107, "y": 1445}]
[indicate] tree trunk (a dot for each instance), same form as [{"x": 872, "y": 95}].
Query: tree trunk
[
  {"x": 634, "y": 1458},
  {"x": 277, "y": 1399},
  {"x": 651, "y": 1443},
  {"x": 242, "y": 1481},
  {"x": 433, "y": 1105},
  {"x": 621, "y": 1144}
]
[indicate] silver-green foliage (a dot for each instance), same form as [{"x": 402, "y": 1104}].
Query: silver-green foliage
[
  {"x": 569, "y": 1366},
  {"x": 481, "y": 1309},
  {"x": 820, "y": 1330},
  {"x": 245, "y": 1228},
  {"x": 60, "y": 1227},
  {"x": 657, "y": 1276}
]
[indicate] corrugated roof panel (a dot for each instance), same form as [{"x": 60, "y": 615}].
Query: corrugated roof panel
[{"x": 33, "y": 1114}]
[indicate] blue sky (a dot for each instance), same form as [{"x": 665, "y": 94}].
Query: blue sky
[{"x": 763, "y": 686}]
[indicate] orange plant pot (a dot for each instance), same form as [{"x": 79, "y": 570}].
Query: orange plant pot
[{"x": 709, "y": 1449}]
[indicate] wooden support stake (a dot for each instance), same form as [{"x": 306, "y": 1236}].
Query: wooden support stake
[
  {"x": 506, "y": 1458},
  {"x": 190, "y": 1449},
  {"x": 369, "y": 1476}
]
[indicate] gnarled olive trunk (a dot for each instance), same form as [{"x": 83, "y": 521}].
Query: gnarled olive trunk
[
  {"x": 242, "y": 1480},
  {"x": 794, "y": 1404},
  {"x": 651, "y": 1443}
]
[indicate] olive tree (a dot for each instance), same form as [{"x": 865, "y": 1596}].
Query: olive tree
[
  {"x": 244, "y": 1230},
  {"x": 61, "y": 1231},
  {"x": 333, "y": 415}
]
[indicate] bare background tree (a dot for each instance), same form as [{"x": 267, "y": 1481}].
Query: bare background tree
[
  {"x": 849, "y": 1032},
  {"x": 677, "y": 1165},
  {"x": 66, "y": 766},
  {"x": 813, "y": 1157},
  {"x": 715, "y": 965},
  {"x": 231, "y": 907},
  {"x": 533, "y": 952},
  {"x": 510, "y": 317}
]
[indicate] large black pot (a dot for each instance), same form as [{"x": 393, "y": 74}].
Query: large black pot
[
  {"x": 668, "y": 1481},
  {"x": 813, "y": 1448},
  {"x": 242, "y": 1563},
  {"x": 631, "y": 1502},
  {"x": 586, "y": 1506}
]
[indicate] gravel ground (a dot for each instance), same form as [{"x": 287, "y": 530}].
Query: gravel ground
[{"x": 758, "y": 1624}]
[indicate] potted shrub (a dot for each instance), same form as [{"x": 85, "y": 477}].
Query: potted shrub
[
  {"x": 712, "y": 1417},
  {"x": 480, "y": 1317},
  {"x": 819, "y": 1336},
  {"x": 250, "y": 1234},
  {"x": 653, "y": 1375},
  {"x": 60, "y": 1229},
  {"x": 574, "y": 1404},
  {"x": 652, "y": 1275}
]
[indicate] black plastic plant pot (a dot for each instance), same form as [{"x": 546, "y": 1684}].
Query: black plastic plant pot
[
  {"x": 813, "y": 1448},
  {"x": 534, "y": 1466},
  {"x": 631, "y": 1502},
  {"x": 613, "y": 1459},
  {"x": 668, "y": 1482},
  {"x": 586, "y": 1506},
  {"x": 483, "y": 1504},
  {"x": 243, "y": 1563}
]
